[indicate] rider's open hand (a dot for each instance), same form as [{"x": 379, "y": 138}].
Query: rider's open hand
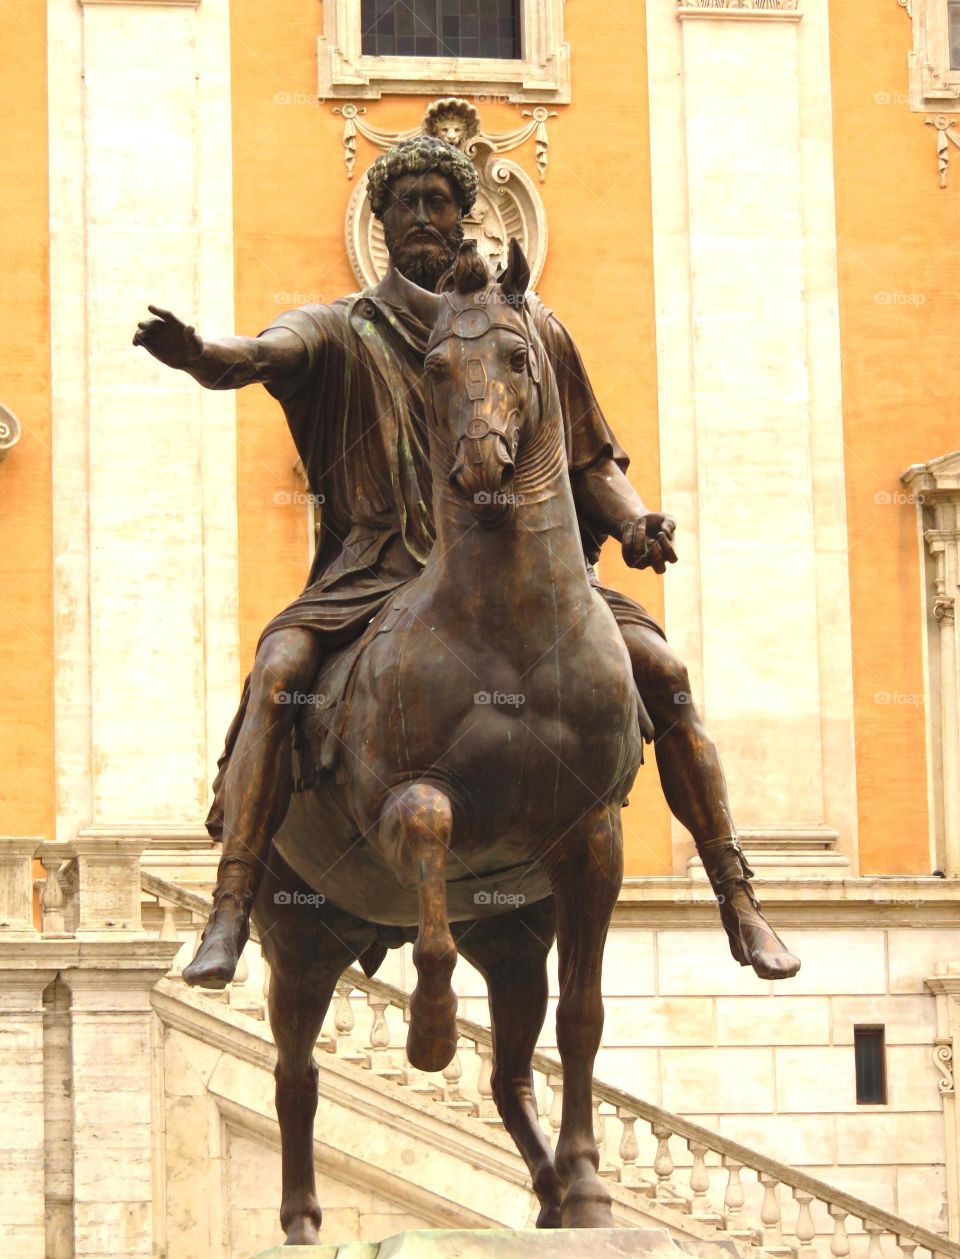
[
  {"x": 168, "y": 338},
  {"x": 648, "y": 541}
]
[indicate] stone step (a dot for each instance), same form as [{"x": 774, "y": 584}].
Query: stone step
[{"x": 561, "y": 1243}]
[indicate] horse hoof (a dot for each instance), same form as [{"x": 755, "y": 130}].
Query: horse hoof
[
  {"x": 303, "y": 1232},
  {"x": 549, "y": 1216},
  {"x": 432, "y": 1037},
  {"x": 586, "y": 1204},
  {"x": 428, "y": 1053}
]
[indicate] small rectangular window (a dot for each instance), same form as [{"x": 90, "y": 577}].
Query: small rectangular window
[
  {"x": 954, "y": 18},
  {"x": 870, "y": 1057},
  {"x": 441, "y": 28}
]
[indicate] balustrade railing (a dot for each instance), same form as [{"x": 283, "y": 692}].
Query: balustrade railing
[{"x": 671, "y": 1161}]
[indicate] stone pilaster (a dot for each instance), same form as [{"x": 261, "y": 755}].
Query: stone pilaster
[
  {"x": 113, "y": 1097},
  {"x": 22, "y": 981},
  {"x": 946, "y": 987},
  {"x": 936, "y": 490}
]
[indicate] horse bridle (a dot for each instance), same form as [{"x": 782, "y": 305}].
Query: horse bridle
[{"x": 469, "y": 323}]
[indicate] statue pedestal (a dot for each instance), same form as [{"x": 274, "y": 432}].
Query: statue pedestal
[{"x": 565, "y": 1243}]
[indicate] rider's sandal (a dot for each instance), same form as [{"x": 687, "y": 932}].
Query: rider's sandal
[
  {"x": 223, "y": 940},
  {"x": 753, "y": 942}
]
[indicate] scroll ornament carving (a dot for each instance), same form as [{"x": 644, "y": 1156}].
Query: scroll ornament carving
[
  {"x": 9, "y": 432},
  {"x": 508, "y": 203},
  {"x": 943, "y": 1061}
]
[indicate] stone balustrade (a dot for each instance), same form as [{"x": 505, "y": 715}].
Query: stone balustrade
[{"x": 665, "y": 1158}]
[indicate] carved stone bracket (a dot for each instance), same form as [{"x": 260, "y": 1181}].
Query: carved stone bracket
[
  {"x": 508, "y": 203},
  {"x": 943, "y": 1061}
]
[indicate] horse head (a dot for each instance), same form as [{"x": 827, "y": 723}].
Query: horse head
[{"x": 483, "y": 365}]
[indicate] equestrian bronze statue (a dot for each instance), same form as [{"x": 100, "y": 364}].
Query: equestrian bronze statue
[{"x": 437, "y": 736}]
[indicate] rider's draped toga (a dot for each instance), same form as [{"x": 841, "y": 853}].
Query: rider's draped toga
[{"x": 356, "y": 411}]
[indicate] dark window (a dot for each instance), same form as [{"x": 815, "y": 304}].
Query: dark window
[
  {"x": 954, "y": 15},
  {"x": 870, "y": 1056},
  {"x": 441, "y": 28}
]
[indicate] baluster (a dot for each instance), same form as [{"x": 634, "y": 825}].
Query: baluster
[
  {"x": 241, "y": 996},
  {"x": 344, "y": 1022},
  {"x": 488, "y": 1110},
  {"x": 663, "y": 1164},
  {"x": 840, "y": 1242},
  {"x": 266, "y": 987},
  {"x": 770, "y": 1209},
  {"x": 699, "y": 1179},
  {"x": 907, "y": 1247},
  {"x": 556, "y": 1101},
  {"x": 875, "y": 1246},
  {"x": 734, "y": 1196},
  {"x": 599, "y": 1126},
  {"x": 629, "y": 1151},
  {"x": 452, "y": 1086},
  {"x": 805, "y": 1230},
  {"x": 168, "y": 927},
  {"x": 380, "y": 1058},
  {"x": 52, "y": 899},
  {"x": 379, "y": 1030}
]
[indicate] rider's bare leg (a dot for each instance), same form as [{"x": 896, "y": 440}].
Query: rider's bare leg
[
  {"x": 696, "y": 792},
  {"x": 257, "y": 793}
]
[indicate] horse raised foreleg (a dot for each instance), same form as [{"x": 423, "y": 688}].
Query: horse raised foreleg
[
  {"x": 510, "y": 952},
  {"x": 586, "y": 869},
  {"x": 416, "y": 824}
]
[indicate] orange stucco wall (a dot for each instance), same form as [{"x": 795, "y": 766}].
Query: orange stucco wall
[
  {"x": 26, "y": 661},
  {"x": 899, "y": 255},
  {"x": 290, "y": 196}
]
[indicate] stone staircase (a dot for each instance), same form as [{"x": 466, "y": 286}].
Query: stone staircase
[{"x": 662, "y": 1169}]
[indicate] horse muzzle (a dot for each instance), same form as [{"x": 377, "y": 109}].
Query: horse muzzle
[{"x": 482, "y": 474}]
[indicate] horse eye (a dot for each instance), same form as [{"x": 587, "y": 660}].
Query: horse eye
[
  {"x": 518, "y": 360},
  {"x": 435, "y": 367}
]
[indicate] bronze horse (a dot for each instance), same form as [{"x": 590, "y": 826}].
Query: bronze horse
[{"x": 488, "y": 737}]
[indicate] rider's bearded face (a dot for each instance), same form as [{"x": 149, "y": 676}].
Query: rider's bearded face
[{"x": 421, "y": 226}]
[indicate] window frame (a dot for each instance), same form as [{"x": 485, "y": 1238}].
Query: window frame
[
  {"x": 934, "y": 84},
  {"x": 540, "y": 75},
  {"x": 877, "y": 1033}
]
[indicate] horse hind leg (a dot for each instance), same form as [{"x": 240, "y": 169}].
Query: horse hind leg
[
  {"x": 585, "y": 873},
  {"x": 510, "y": 952},
  {"x": 417, "y": 824}
]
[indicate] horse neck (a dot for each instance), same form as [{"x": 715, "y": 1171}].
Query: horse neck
[{"x": 539, "y": 543}]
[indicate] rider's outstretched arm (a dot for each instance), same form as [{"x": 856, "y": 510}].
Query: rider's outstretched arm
[{"x": 227, "y": 363}]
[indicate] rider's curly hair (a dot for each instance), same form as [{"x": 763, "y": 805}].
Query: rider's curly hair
[{"x": 416, "y": 156}]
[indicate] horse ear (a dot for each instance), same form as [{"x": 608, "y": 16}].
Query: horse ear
[{"x": 515, "y": 277}]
